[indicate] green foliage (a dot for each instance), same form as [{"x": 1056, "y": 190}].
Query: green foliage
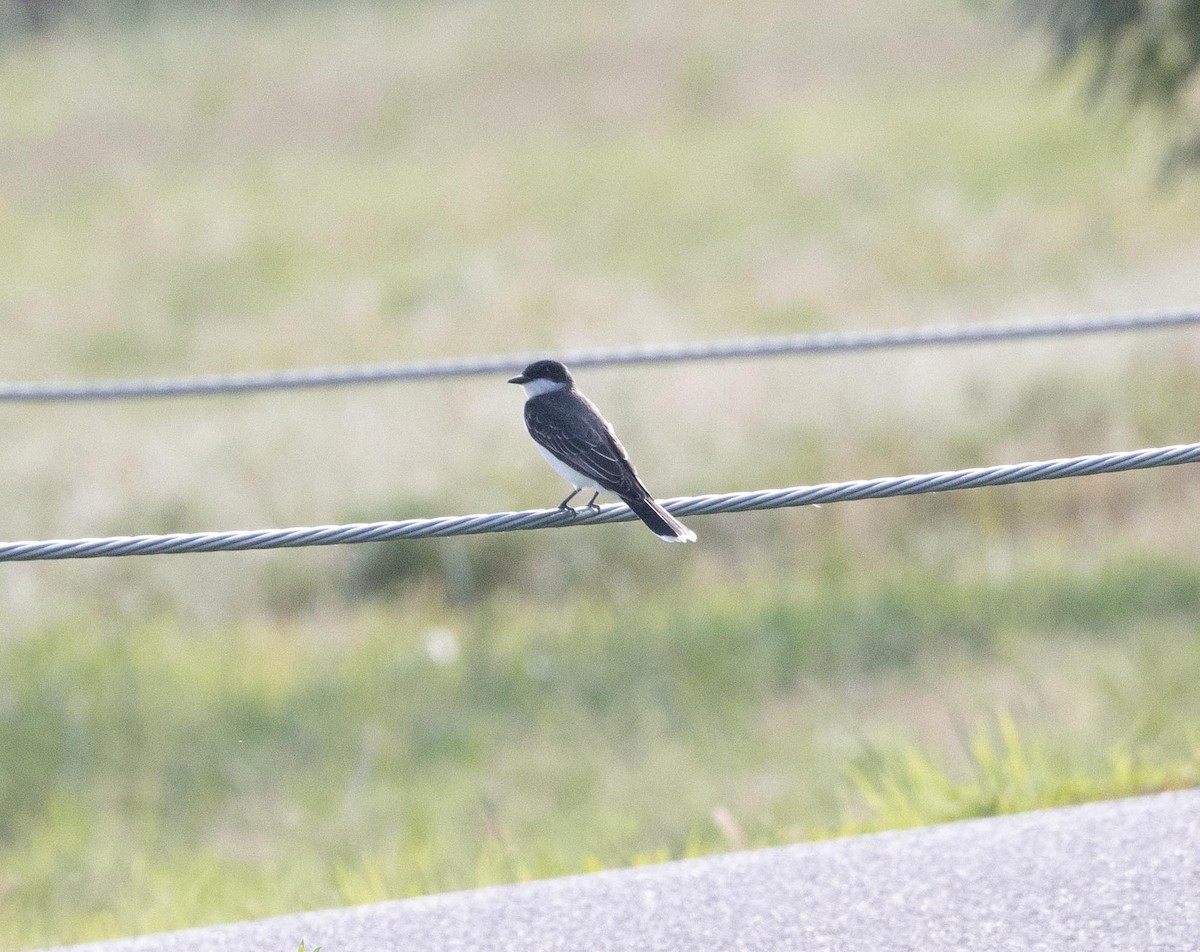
[
  {"x": 1145, "y": 52},
  {"x": 1006, "y": 772}
]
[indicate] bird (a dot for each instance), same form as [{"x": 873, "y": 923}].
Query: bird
[{"x": 580, "y": 445}]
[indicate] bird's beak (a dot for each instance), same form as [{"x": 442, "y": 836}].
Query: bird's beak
[{"x": 519, "y": 378}]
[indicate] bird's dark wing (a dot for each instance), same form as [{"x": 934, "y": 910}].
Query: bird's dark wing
[{"x": 568, "y": 425}]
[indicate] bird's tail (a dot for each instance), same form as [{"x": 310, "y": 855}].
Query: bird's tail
[{"x": 661, "y": 523}]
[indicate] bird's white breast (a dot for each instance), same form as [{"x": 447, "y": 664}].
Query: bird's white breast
[{"x": 570, "y": 474}]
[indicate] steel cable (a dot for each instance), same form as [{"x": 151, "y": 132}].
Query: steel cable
[
  {"x": 732, "y": 349},
  {"x": 554, "y": 518}
]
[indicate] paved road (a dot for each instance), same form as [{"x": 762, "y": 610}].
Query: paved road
[{"x": 1101, "y": 878}]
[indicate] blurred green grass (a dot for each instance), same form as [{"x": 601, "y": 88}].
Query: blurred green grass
[
  {"x": 201, "y": 738},
  {"x": 157, "y": 776}
]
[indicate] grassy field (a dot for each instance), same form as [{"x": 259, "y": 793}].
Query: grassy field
[
  {"x": 158, "y": 777},
  {"x": 204, "y": 738}
]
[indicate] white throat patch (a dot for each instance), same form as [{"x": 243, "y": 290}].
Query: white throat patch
[{"x": 535, "y": 388}]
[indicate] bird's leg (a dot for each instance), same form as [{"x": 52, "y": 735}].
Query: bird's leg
[
  {"x": 563, "y": 504},
  {"x": 592, "y": 502}
]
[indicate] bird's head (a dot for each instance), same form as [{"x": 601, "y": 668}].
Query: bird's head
[{"x": 542, "y": 376}]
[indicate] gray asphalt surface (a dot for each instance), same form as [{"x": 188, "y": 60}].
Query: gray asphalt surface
[{"x": 1105, "y": 877}]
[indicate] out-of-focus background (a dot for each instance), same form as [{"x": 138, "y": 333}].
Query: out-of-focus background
[{"x": 206, "y": 187}]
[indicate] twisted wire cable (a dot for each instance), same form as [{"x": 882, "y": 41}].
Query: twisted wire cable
[
  {"x": 557, "y": 518},
  {"x": 731, "y": 349}
]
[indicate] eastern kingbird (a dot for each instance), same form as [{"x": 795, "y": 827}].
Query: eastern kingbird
[{"x": 581, "y": 447}]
